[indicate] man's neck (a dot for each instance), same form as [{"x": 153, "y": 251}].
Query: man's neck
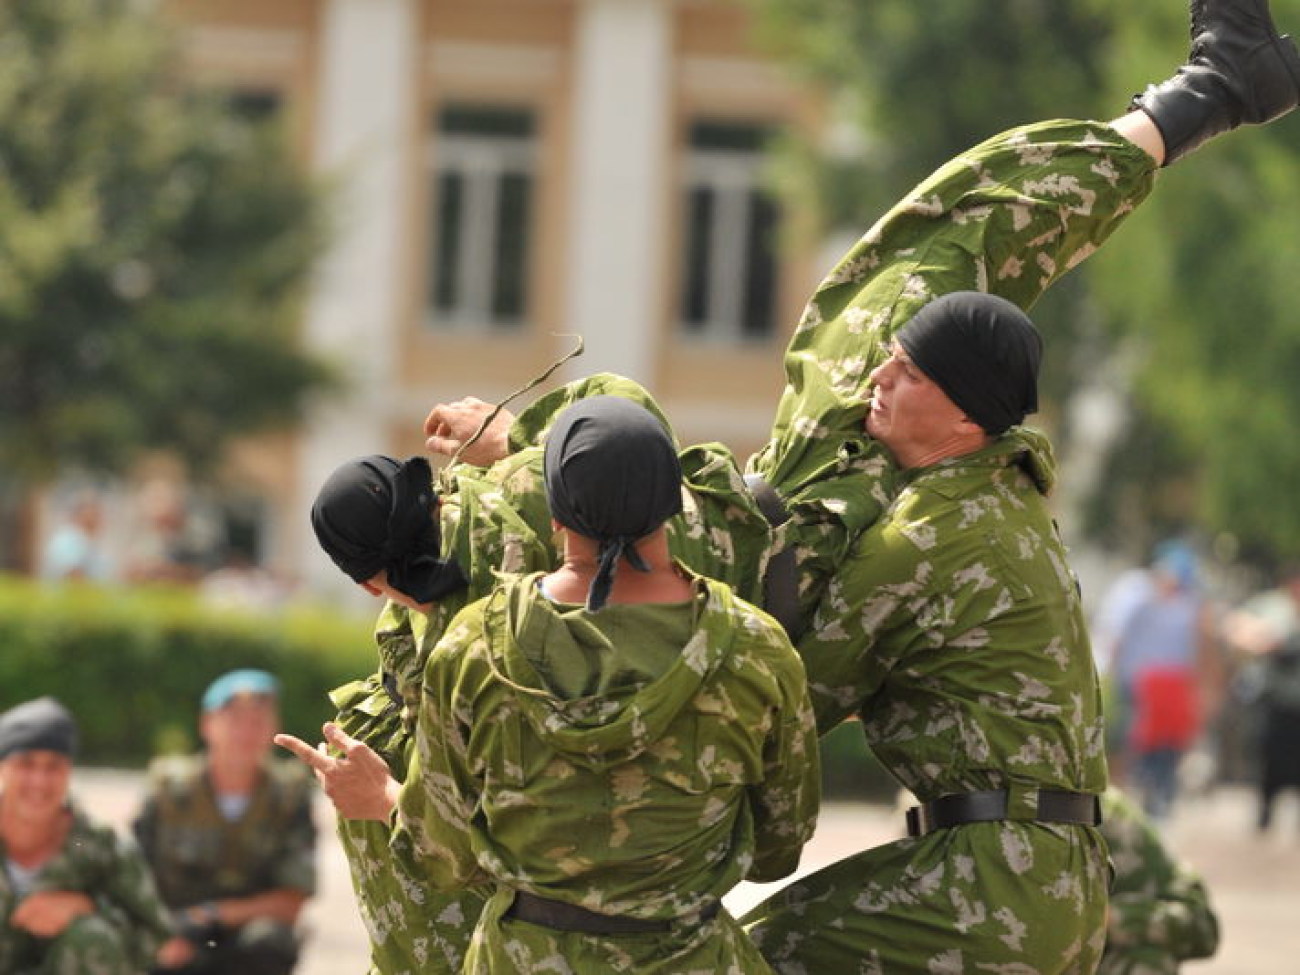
[
  {"x": 233, "y": 777},
  {"x": 958, "y": 445}
]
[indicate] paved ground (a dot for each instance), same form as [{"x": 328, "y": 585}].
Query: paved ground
[{"x": 1254, "y": 880}]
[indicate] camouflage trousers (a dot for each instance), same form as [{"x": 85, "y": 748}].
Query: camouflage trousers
[
  {"x": 88, "y": 946},
  {"x": 1010, "y": 216}
]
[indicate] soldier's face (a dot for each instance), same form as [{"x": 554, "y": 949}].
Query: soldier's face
[
  {"x": 911, "y": 415},
  {"x": 242, "y": 726},
  {"x": 35, "y": 783}
]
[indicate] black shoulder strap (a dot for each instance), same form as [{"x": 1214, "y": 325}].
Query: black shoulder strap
[{"x": 781, "y": 581}]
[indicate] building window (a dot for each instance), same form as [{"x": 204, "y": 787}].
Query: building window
[
  {"x": 254, "y": 105},
  {"x": 730, "y": 235},
  {"x": 482, "y": 163}
]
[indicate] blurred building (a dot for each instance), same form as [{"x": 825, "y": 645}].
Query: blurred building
[{"x": 509, "y": 173}]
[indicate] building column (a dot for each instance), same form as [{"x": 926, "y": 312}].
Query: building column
[
  {"x": 367, "y": 81},
  {"x": 619, "y": 214}
]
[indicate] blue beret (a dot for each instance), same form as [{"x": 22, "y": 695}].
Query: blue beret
[{"x": 227, "y": 686}]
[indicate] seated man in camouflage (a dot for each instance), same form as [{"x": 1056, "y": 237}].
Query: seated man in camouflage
[
  {"x": 230, "y": 838},
  {"x": 73, "y": 896}
]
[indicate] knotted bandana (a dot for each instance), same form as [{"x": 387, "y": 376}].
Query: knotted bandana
[
  {"x": 378, "y": 513},
  {"x": 612, "y": 474},
  {"x": 982, "y": 351}
]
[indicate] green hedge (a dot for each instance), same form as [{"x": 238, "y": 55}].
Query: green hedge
[{"x": 133, "y": 663}]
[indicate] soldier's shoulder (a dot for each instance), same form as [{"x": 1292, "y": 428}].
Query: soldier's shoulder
[
  {"x": 289, "y": 777},
  {"x": 175, "y": 774}
]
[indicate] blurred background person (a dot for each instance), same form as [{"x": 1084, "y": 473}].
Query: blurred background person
[
  {"x": 230, "y": 837},
  {"x": 1167, "y": 676},
  {"x": 75, "y": 550},
  {"x": 1265, "y": 633},
  {"x": 74, "y": 897}
]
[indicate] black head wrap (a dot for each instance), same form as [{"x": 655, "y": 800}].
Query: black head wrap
[
  {"x": 612, "y": 474},
  {"x": 40, "y": 725},
  {"x": 982, "y": 351},
  {"x": 378, "y": 513}
]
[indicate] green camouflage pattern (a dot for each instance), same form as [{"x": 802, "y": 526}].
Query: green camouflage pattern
[
  {"x": 720, "y": 533},
  {"x": 1010, "y": 217},
  {"x": 1160, "y": 911},
  {"x": 951, "y": 625},
  {"x": 413, "y": 927},
  {"x": 672, "y": 775},
  {"x": 130, "y": 922},
  {"x": 197, "y": 855},
  {"x": 496, "y": 521},
  {"x": 955, "y": 633}
]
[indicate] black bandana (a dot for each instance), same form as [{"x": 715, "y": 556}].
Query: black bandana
[
  {"x": 982, "y": 351},
  {"x": 41, "y": 725},
  {"x": 377, "y": 513},
  {"x": 612, "y": 474}
]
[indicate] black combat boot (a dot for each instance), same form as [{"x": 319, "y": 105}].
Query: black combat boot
[{"x": 1240, "y": 71}]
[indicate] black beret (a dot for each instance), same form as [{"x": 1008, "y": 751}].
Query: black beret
[{"x": 40, "y": 725}]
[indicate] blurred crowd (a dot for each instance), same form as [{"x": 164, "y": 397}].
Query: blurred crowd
[
  {"x": 1203, "y": 678},
  {"x": 158, "y": 534}
]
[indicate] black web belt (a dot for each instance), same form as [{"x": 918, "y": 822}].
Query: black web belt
[
  {"x": 1054, "y": 806},
  {"x": 562, "y": 916},
  {"x": 781, "y": 581}
]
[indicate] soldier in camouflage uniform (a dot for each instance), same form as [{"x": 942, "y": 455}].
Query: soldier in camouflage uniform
[
  {"x": 75, "y": 899},
  {"x": 951, "y": 626},
  {"x": 1160, "y": 912},
  {"x": 488, "y": 521},
  {"x": 612, "y": 769},
  {"x": 230, "y": 838}
]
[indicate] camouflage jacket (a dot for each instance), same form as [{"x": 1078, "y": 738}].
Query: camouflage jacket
[
  {"x": 197, "y": 855},
  {"x": 672, "y": 768},
  {"x": 956, "y": 632},
  {"x": 109, "y": 869}
]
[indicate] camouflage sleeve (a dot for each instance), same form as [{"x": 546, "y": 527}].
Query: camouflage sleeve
[
  {"x": 129, "y": 899},
  {"x": 1157, "y": 903},
  {"x": 867, "y": 597},
  {"x": 438, "y": 798},
  {"x": 145, "y": 825},
  {"x": 533, "y": 422},
  {"x": 786, "y": 804}
]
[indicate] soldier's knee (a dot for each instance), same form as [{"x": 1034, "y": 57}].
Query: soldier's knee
[
  {"x": 90, "y": 944},
  {"x": 268, "y": 947}
]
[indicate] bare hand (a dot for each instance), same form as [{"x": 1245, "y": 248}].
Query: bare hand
[
  {"x": 47, "y": 913},
  {"x": 357, "y": 781},
  {"x": 175, "y": 953},
  {"x": 449, "y": 425}
]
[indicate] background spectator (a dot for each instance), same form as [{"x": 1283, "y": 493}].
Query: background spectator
[{"x": 230, "y": 837}]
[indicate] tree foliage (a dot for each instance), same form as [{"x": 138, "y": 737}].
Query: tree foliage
[
  {"x": 154, "y": 249},
  {"x": 1198, "y": 282}
]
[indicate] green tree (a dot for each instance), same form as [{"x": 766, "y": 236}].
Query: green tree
[
  {"x": 154, "y": 249},
  {"x": 1206, "y": 319}
]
